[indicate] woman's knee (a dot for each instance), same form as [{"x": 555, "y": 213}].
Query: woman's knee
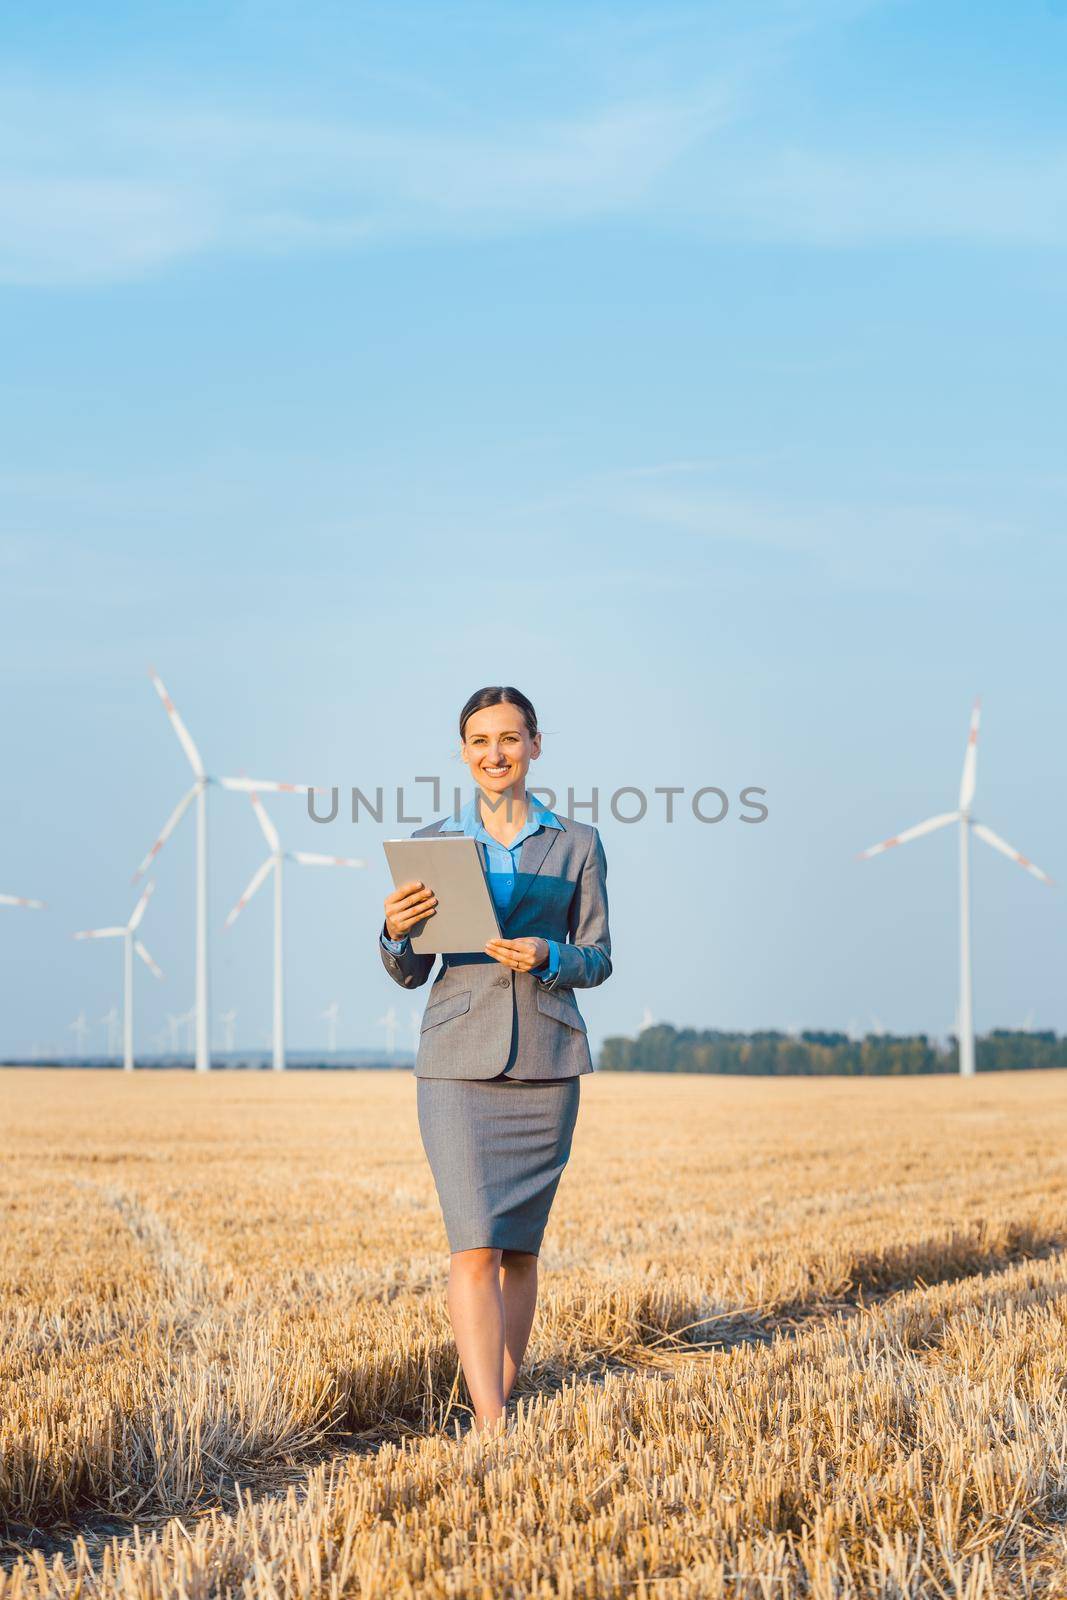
[
  {"x": 518, "y": 1260},
  {"x": 481, "y": 1263}
]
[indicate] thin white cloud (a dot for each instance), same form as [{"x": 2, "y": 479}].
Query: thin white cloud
[
  {"x": 94, "y": 229},
  {"x": 161, "y": 184},
  {"x": 968, "y": 194},
  {"x": 853, "y": 545},
  {"x": 104, "y": 186}
]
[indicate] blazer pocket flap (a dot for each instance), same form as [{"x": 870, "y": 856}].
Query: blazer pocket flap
[
  {"x": 445, "y": 1010},
  {"x": 562, "y": 1007}
]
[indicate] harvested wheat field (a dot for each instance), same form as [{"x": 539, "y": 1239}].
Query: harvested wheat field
[{"x": 795, "y": 1338}]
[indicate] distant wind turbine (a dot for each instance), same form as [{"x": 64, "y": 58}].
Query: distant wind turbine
[
  {"x": 968, "y": 825},
  {"x": 189, "y": 1020},
  {"x": 80, "y": 1029},
  {"x": 228, "y": 1020},
  {"x": 646, "y": 1020},
  {"x": 388, "y": 1022},
  {"x": 110, "y": 1021},
  {"x": 275, "y": 863},
  {"x": 198, "y": 792},
  {"x": 19, "y": 900},
  {"x": 130, "y": 944},
  {"x": 330, "y": 1016},
  {"x": 415, "y": 1023}
]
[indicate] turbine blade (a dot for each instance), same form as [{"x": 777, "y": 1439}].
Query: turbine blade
[
  {"x": 270, "y": 832},
  {"x": 168, "y": 828},
  {"x": 308, "y": 858},
  {"x": 257, "y": 879},
  {"x": 139, "y": 908},
  {"x": 917, "y": 832},
  {"x": 1008, "y": 850},
  {"x": 265, "y": 786},
  {"x": 147, "y": 959},
  {"x": 19, "y": 900},
  {"x": 102, "y": 933},
  {"x": 184, "y": 736},
  {"x": 970, "y": 759}
]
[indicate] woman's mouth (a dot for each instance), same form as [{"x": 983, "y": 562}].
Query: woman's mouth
[{"x": 496, "y": 772}]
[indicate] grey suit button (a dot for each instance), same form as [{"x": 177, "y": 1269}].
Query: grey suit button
[{"x": 504, "y": 983}]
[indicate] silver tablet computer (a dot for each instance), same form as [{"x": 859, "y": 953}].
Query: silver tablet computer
[{"x": 452, "y": 867}]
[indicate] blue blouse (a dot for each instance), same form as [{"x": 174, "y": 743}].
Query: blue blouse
[{"x": 501, "y": 863}]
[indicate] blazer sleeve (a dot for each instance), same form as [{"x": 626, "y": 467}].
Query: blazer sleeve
[
  {"x": 585, "y": 960},
  {"x": 405, "y": 967}
]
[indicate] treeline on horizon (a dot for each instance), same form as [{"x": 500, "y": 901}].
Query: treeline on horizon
[{"x": 770, "y": 1054}]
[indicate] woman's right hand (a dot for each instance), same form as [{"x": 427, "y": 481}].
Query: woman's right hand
[{"x": 406, "y": 906}]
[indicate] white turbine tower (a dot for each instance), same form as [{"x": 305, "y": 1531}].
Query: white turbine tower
[
  {"x": 198, "y": 792},
  {"x": 388, "y": 1022},
  {"x": 967, "y": 823},
  {"x": 275, "y": 863},
  {"x": 110, "y": 1021},
  {"x": 647, "y": 1020},
  {"x": 330, "y": 1016},
  {"x": 19, "y": 900},
  {"x": 415, "y": 1024},
  {"x": 129, "y": 946},
  {"x": 80, "y": 1029}
]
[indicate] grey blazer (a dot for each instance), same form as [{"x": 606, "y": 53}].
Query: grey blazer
[{"x": 481, "y": 1017}]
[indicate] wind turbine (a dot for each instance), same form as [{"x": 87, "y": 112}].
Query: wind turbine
[
  {"x": 198, "y": 792},
  {"x": 19, "y": 900},
  {"x": 275, "y": 863},
  {"x": 388, "y": 1022},
  {"x": 131, "y": 943},
  {"x": 80, "y": 1029},
  {"x": 646, "y": 1020},
  {"x": 111, "y": 1022},
  {"x": 968, "y": 825},
  {"x": 189, "y": 1019},
  {"x": 415, "y": 1024},
  {"x": 330, "y": 1015},
  {"x": 228, "y": 1018}
]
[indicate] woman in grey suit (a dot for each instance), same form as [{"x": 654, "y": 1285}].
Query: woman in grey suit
[{"x": 503, "y": 1044}]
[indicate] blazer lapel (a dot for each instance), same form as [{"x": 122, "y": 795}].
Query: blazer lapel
[{"x": 531, "y": 859}]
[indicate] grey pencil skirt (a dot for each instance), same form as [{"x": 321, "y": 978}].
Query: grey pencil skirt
[{"x": 497, "y": 1148}]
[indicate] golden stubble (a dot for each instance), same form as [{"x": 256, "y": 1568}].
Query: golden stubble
[{"x": 795, "y": 1338}]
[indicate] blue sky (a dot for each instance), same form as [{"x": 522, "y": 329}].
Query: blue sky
[{"x": 697, "y": 369}]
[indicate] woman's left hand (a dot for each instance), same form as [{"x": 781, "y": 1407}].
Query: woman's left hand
[{"x": 522, "y": 955}]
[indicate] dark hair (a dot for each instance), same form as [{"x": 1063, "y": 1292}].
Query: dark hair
[{"x": 498, "y": 695}]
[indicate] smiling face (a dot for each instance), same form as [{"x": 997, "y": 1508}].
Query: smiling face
[{"x": 498, "y": 749}]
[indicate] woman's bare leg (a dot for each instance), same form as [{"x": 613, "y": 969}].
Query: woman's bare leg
[
  {"x": 518, "y": 1290},
  {"x": 476, "y": 1306}
]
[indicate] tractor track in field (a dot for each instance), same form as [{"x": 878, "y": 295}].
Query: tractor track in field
[{"x": 664, "y": 1355}]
